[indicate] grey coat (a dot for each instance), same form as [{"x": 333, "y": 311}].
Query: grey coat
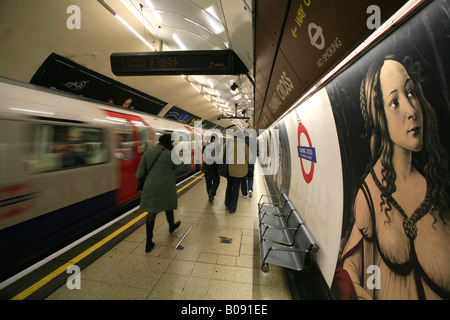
[{"x": 159, "y": 192}]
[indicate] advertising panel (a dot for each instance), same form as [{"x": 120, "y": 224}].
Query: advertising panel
[
  {"x": 64, "y": 75},
  {"x": 392, "y": 112}
]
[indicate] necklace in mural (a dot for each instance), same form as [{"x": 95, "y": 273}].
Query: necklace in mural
[{"x": 409, "y": 224}]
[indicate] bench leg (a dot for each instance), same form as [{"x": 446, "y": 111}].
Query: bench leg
[{"x": 265, "y": 267}]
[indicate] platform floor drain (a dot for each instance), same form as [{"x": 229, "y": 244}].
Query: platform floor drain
[{"x": 226, "y": 240}]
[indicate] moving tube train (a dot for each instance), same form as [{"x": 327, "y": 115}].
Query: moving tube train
[{"x": 65, "y": 165}]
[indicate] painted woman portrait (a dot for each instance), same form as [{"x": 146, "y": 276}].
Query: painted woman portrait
[{"x": 399, "y": 245}]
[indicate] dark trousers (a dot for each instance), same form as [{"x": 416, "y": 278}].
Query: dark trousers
[
  {"x": 249, "y": 176},
  {"x": 212, "y": 180},
  {"x": 250, "y": 181},
  {"x": 150, "y": 223},
  {"x": 232, "y": 193}
]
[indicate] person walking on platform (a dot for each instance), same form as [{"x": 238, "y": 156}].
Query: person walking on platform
[
  {"x": 237, "y": 170},
  {"x": 159, "y": 191},
  {"x": 248, "y": 190},
  {"x": 247, "y": 186},
  {"x": 212, "y": 177}
]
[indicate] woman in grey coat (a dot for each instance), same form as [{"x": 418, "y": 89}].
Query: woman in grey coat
[{"x": 159, "y": 192}]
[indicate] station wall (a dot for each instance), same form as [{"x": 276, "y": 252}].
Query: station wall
[{"x": 395, "y": 245}]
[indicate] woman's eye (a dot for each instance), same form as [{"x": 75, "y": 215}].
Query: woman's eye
[
  {"x": 394, "y": 103},
  {"x": 411, "y": 93}
]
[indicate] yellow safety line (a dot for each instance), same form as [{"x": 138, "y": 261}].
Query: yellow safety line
[
  {"x": 181, "y": 189},
  {"x": 83, "y": 255}
]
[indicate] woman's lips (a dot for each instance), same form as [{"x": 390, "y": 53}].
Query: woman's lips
[{"x": 414, "y": 130}]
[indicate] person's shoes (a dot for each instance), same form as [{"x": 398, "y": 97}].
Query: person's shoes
[
  {"x": 232, "y": 211},
  {"x": 250, "y": 193},
  {"x": 210, "y": 198},
  {"x": 245, "y": 197},
  {"x": 174, "y": 227},
  {"x": 149, "y": 247}
]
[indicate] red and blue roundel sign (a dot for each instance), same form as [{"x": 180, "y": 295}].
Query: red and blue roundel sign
[{"x": 307, "y": 153}]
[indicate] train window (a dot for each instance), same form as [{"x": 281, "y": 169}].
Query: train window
[
  {"x": 124, "y": 150},
  {"x": 143, "y": 136},
  {"x": 56, "y": 147}
]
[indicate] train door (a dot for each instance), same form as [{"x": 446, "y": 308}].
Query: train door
[
  {"x": 194, "y": 166},
  {"x": 133, "y": 136}
]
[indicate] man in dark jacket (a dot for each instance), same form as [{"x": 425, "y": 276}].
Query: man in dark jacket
[{"x": 212, "y": 177}]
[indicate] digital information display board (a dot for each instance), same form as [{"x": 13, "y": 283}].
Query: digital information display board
[{"x": 204, "y": 62}]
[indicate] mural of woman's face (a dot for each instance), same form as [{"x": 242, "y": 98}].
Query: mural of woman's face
[{"x": 401, "y": 106}]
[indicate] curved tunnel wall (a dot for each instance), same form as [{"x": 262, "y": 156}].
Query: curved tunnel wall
[{"x": 324, "y": 147}]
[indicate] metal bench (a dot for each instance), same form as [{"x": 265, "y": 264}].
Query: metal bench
[
  {"x": 285, "y": 240},
  {"x": 280, "y": 229},
  {"x": 279, "y": 206}
]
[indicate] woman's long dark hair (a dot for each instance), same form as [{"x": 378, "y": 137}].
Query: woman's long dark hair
[{"x": 431, "y": 161}]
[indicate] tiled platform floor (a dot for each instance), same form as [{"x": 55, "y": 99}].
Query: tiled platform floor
[{"x": 205, "y": 269}]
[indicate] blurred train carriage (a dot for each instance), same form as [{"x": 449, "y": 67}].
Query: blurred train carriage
[{"x": 66, "y": 166}]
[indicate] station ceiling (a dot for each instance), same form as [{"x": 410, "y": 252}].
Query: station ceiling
[{"x": 87, "y": 32}]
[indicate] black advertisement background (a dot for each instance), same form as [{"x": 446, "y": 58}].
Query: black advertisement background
[
  {"x": 64, "y": 75},
  {"x": 425, "y": 38}
]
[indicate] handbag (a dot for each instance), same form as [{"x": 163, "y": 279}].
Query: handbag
[
  {"x": 141, "y": 182},
  {"x": 222, "y": 168}
]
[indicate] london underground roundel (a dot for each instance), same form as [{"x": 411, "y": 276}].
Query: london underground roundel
[{"x": 306, "y": 153}]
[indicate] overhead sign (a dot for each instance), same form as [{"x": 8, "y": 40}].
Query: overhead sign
[
  {"x": 204, "y": 62},
  {"x": 284, "y": 87},
  {"x": 318, "y": 34}
]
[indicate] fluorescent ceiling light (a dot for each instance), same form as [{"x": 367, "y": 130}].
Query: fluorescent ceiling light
[
  {"x": 179, "y": 42},
  {"x": 150, "y": 4},
  {"x": 157, "y": 16},
  {"x": 211, "y": 84},
  {"x": 195, "y": 87},
  {"x": 134, "y": 31},
  {"x": 214, "y": 21},
  {"x": 212, "y": 12},
  {"x": 154, "y": 12}
]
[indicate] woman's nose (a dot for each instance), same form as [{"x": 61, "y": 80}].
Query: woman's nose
[{"x": 410, "y": 108}]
